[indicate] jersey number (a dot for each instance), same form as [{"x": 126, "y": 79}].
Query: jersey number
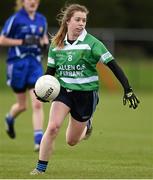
[{"x": 69, "y": 57}]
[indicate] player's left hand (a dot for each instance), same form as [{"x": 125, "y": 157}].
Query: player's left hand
[
  {"x": 40, "y": 99},
  {"x": 131, "y": 98}
]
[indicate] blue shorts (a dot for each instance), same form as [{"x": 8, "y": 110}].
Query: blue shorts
[
  {"x": 23, "y": 73},
  {"x": 82, "y": 103}
]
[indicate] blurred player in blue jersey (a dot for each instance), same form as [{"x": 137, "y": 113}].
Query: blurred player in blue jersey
[{"x": 25, "y": 32}]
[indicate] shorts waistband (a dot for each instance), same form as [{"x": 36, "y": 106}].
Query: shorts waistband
[
  {"x": 71, "y": 90},
  {"x": 67, "y": 90}
]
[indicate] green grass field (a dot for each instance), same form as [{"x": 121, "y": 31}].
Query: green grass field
[{"x": 120, "y": 147}]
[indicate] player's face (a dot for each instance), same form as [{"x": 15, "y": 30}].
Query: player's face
[
  {"x": 76, "y": 24},
  {"x": 30, "y": 5}
]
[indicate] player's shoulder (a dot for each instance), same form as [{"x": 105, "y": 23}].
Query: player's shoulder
[
  {"x": 11, "y": 18},
  {"x": 92, "y": 39},
  {"x": 17, "y": 15},
  {"x": 40, "y": 16}
]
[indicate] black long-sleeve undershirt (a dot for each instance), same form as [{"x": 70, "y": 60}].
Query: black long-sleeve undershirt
[
  {"x": 50, "y": 71},
  {"x": 119, "y": 75}
]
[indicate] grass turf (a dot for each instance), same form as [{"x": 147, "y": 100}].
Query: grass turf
[{"x": 120, "y": 146}]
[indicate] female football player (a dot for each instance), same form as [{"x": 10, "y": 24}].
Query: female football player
[
  {"x": 25, "y": 32},
  {"x": 73, "y": 56}
]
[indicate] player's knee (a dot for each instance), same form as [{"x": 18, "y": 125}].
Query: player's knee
[
  {"x": 22, "y": 108},
  {"x": 37, "y": 105},
  {"x": 53, "y": 130}
]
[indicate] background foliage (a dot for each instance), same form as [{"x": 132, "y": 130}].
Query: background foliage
[{"x": 113, "y": 13}]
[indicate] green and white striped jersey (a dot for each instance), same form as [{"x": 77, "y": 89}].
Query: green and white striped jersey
[{"x": 76, "y": 63}]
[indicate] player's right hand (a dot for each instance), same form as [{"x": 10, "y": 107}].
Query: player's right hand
[
  {"x": 31, "y": 40},
  {"x": 40, "y": 99}
]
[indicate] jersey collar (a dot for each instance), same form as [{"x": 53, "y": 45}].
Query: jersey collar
[
  {"x": 80, "y": 38},
  {"x": 23, "y": 11}
]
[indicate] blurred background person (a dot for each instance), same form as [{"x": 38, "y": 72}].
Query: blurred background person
[{"x": 25, "y": 33}]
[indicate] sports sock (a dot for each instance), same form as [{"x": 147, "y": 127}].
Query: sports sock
[
  {"x": 89, "y": 124},
  {"x": 38, "y": 134},
  {"x": 42, "y": 166},
  {"x": 9, "y": 119}
]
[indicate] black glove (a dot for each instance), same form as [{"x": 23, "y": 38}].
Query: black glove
[
  {"x": 131, "y": 99},
  {"x": 31, "y": 40},
  {"x": 40, "y": 99}
]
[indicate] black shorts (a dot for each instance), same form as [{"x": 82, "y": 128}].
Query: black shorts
[{"x": 82, "y": 103}]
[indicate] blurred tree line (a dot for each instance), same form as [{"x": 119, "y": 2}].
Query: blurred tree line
[
  {"x": 134, "y": 14},
  {"x": 103, "y": 13}
]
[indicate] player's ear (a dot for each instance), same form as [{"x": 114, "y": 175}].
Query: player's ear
[{"x": 67, "y": 22}]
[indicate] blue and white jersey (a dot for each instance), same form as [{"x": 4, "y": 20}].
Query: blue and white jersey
[{"x": 19, "y": 26}]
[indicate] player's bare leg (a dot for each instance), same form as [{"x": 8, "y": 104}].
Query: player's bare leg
[
  {"x": 47, "y": 144},
  {"x": 15, "y": 110},
  {"x": 75, "y": 131},
  {"x": 37, "y": 119},
  {"x": 55, "y": 121}
]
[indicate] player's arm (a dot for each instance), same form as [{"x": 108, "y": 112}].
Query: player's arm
[
  {"x": 5, "y": 41},
  {"x": 44, "y": 43},
  {"x": 50, "y": 71},
  {"x": 29, "y": 40},
  {"x": 51, "y": 67},
  {"x": 129, "y": 96},
  {"x": 6, "y": 35},
  {"x": 119, "y": 75},
  {"x": 44, "y": 40}
]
